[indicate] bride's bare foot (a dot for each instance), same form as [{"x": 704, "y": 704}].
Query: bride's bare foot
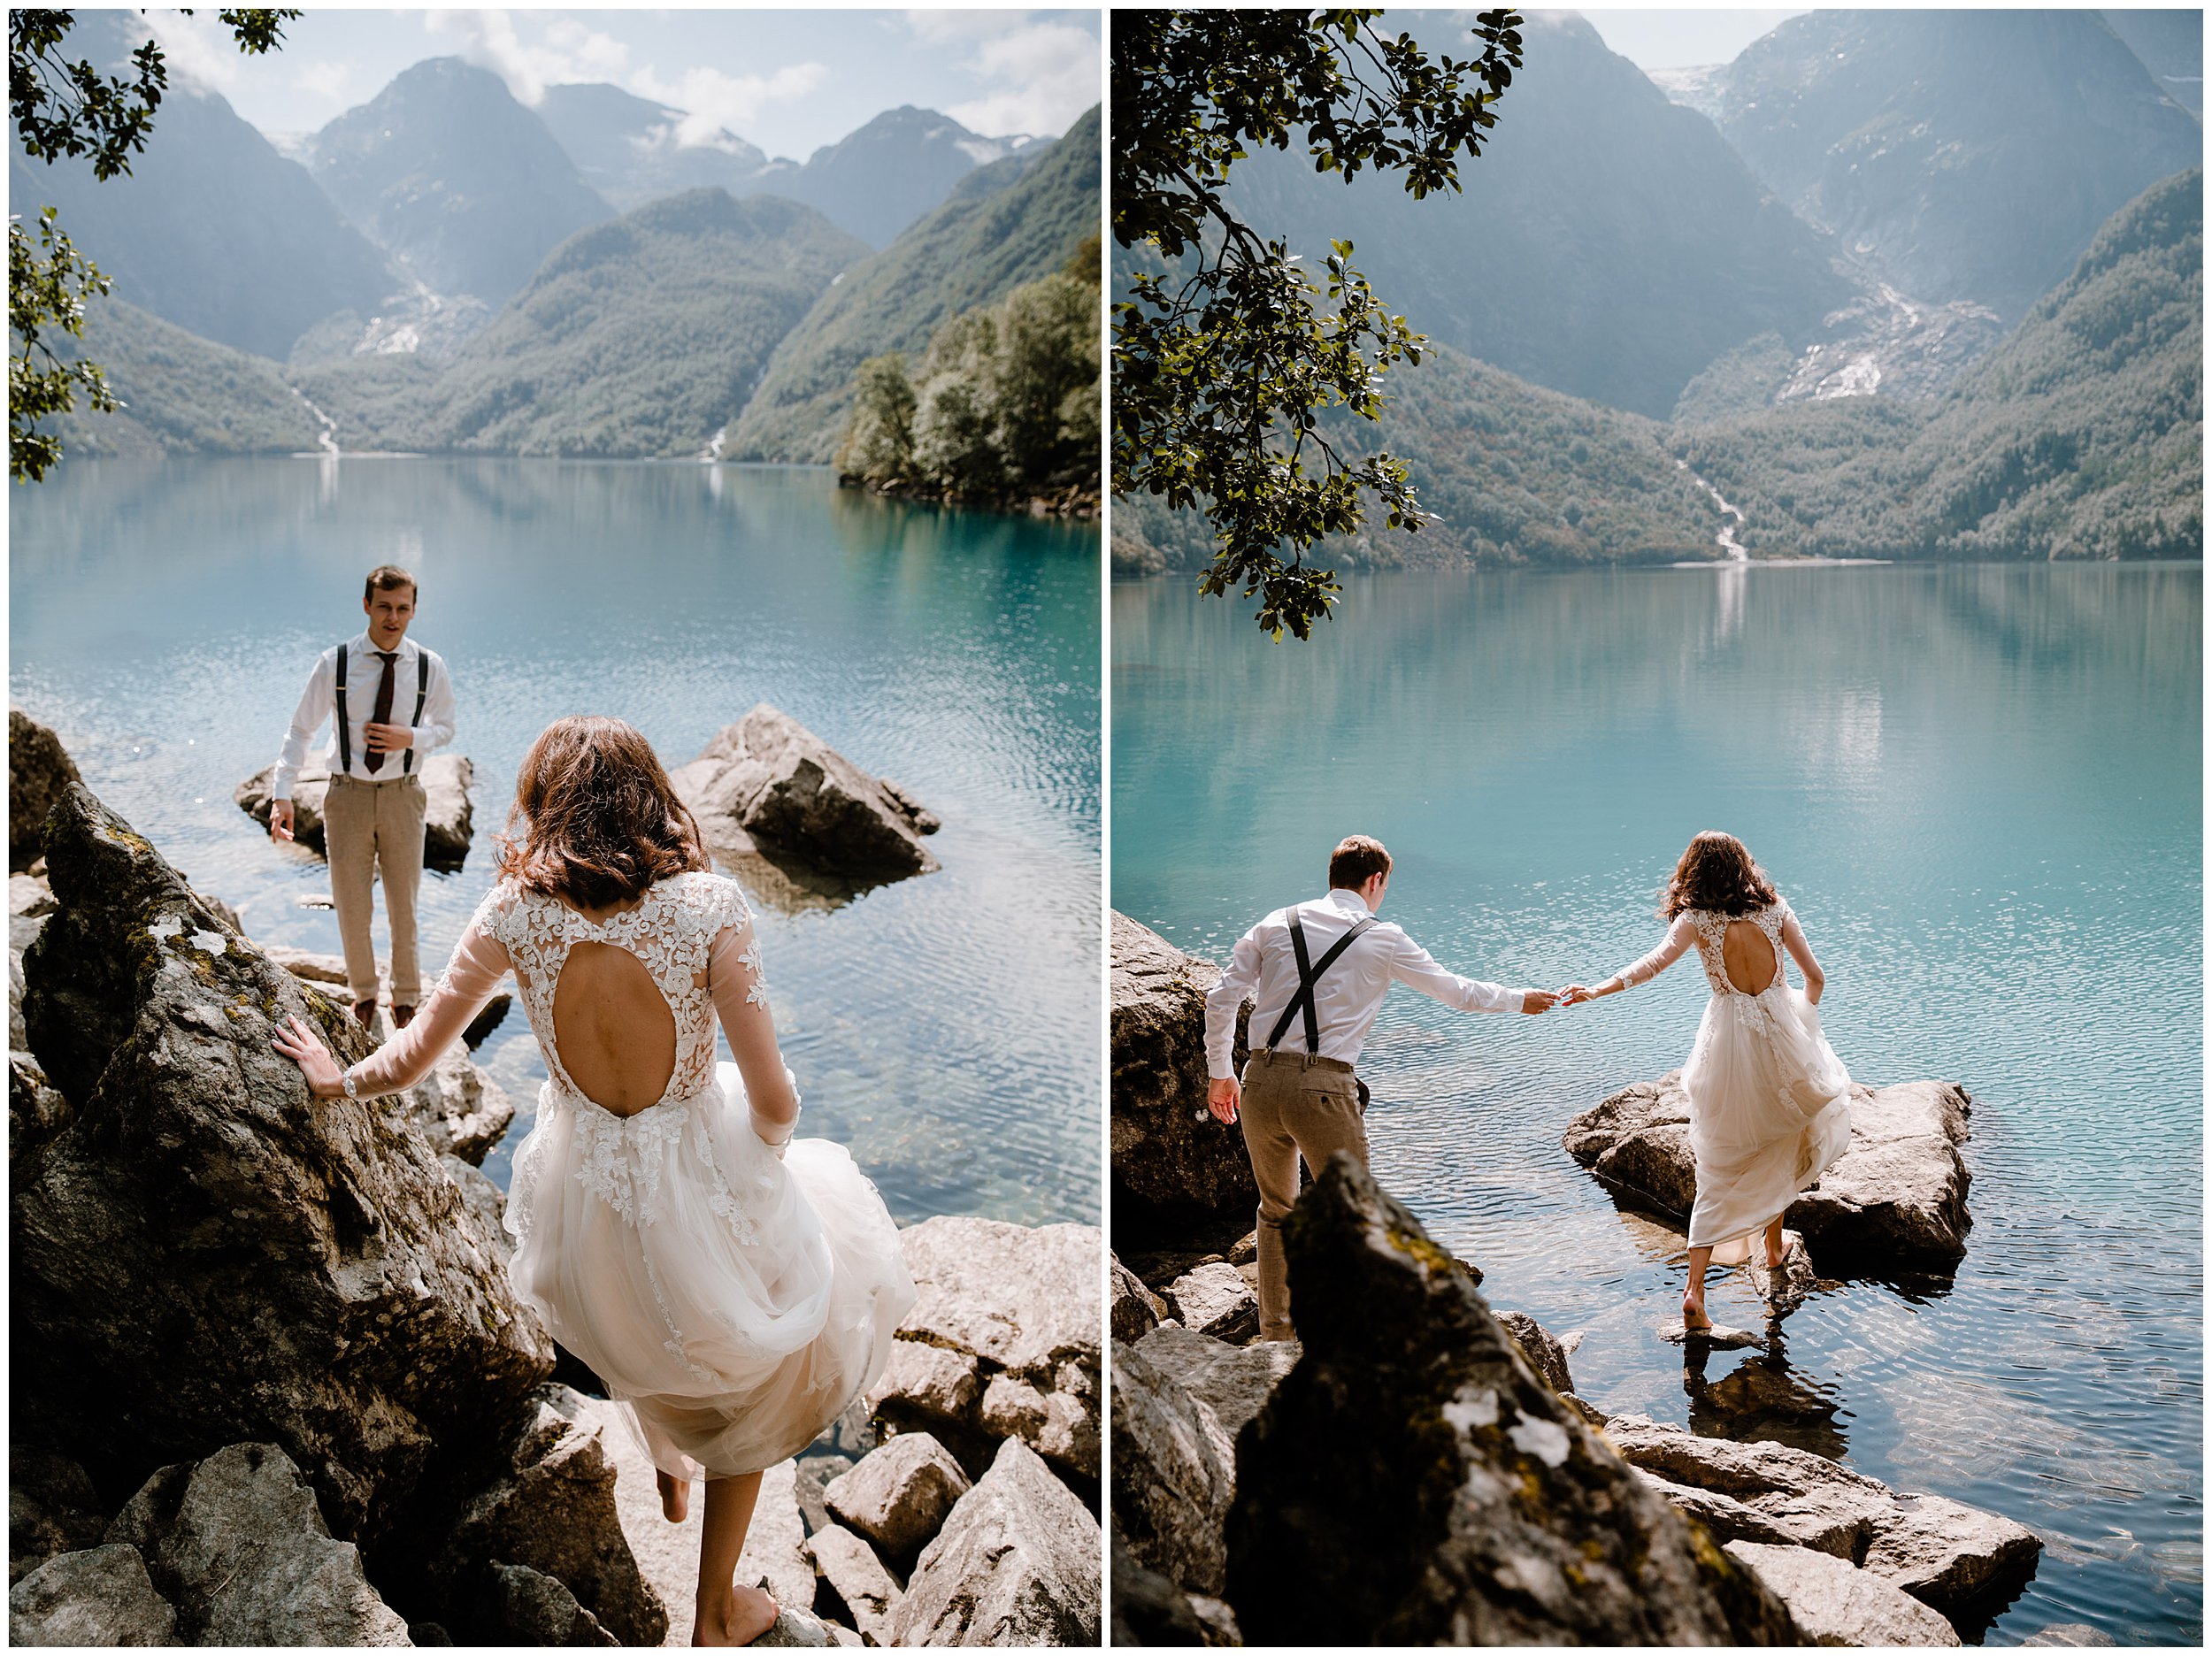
[
  {"x": 738, "y": 1619},
  {"x": 1694, "y": 1317},
  {"x": 1776, "y": 1259},
  {"x": 675, "y": 1496}
]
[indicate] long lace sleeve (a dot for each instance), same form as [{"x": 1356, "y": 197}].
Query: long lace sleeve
[
  {"x": 740, "y": 1000},
  {"x": 1679, "y": 936},
  {"x": 1802, "y": 951},
  {"x": 479, "y": 960}
]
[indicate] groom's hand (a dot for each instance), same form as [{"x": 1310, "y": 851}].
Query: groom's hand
[
  {"x": 387, "y": 738},
  {"x": 1222, "y": 1098},
  {"x": 1538, "y": 1000},
  {"x": 281, "y": 820}
]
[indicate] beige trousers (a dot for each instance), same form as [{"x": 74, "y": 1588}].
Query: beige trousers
[
  {"x": 1293, "y": 1106},
  {"x": 371, "y": 831}
]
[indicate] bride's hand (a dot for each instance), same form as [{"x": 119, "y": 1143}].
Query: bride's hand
[
  {"x": 1575, "y": 995},
  {"x": 298, "y": 1043}
]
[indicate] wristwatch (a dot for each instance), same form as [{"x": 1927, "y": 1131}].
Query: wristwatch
[{"x": 349, "y": 1085}]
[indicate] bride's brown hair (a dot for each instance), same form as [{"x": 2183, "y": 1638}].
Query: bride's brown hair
[
  {"x": 1717, "y": 876},
  {"x": 600, "y": 821}
]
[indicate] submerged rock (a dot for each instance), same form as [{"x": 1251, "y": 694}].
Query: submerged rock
[
  {"x": 38, "y": 769},
  {"x": 1002, "y": 1342},
  {"x": 1834, "y": 1603},
  {"x": 1174, "y": 1166},
  {"x": 768, "y": 784},
  {"x": 1016, "y": 1563},
  {"x": 1894, "y": 1201},
  {"x": 1943, "y": 1553},
  {"x": 449, "y": 816},
  {"x": 1413, "y": 1481},
  {"x": 204, "y": 1254},
  {"x": 238, "y": 1546}
]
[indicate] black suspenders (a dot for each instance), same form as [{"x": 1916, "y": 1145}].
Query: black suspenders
[
  {"x": 345, "y": 727},
  {"x": 1310, "y": 978}
]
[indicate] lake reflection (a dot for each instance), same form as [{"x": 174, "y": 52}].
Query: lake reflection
[
  {"x": 164, "y": 615},
  {"x": 1981, "y": 789}
]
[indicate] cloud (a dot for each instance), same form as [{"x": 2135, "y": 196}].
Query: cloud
[
  {"x": 1037, "y": 78},
  {"x": 200, "y": 51},
  {"x": 564, "y": 50},
  {"x": 717, "y": 100}
]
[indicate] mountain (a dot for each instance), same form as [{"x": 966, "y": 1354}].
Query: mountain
[
  {"x": 636, "y": 338},
  {"x": 463, "y": 186},
  {"x": 180, "y": 393},
  {"x": 2171, "y": 45},
  {"x": 2082, "y": 436},
  {"x": 1004, "y": 225},
  {"x": 877, "y": 180},
  {"x": 1607, "y": 243},
  {"x": 625, "y": 147},
  {"x": 1962, "y": 155},
  {"x": 211, "y": 229}
]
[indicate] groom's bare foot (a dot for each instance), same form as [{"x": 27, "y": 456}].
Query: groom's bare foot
[
  {"x": 675, "y": 1496},
  {"x": 740, "y": 1618}
]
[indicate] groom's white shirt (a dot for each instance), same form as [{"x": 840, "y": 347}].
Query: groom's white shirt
[
  {"x": 1350, "y": 992},
  {"x": 365, "y": 669}
]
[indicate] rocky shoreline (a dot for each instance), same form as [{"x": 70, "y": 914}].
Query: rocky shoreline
[
  {"x": 271, "y": 1386},
  {"x": 1420, "y": 1469}
]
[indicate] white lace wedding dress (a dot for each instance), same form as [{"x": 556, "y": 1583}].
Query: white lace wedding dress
[
  {"x": 1770, "y": 1104},
  {"x": 735, "y": 1299}
]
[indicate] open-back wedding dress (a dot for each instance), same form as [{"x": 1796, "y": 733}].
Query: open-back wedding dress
[
  {"x": 1769, "y": 1100},
  {"x": 735, "y": 1293}
]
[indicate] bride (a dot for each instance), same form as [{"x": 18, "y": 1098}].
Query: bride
[
  {"x": 734, "y": 1286},
  {"x": 1769, "y": 1107}
]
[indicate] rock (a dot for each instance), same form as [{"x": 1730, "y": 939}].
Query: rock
[
  {"x": 225, "y": 913},
  {"x": 552, "y": 1510},
  {"x": 1174, "y": 1473},
  {"x": 923, "y": 820},
  {"x": 1174, "y": 1166},
  {"x": 535, "y": 1609},
  {"x": 1412, "y": 1480},
  {"x": 1008, "y": 1322},
  {"x": 206, "y": 1254},
  {"x": 330, "y": 971},
  {"x": 51, "y": 1508},
  {"x": 237, "y": 1543},
  {"x": 449, "y": 817},
  {"x": 1729, "y": 1519},
  {"x": 1718, "y": 1337},
  {"x": 2076, "y": 1635},
  {"x": 1543, "y": 1351},
  {"x": 29, "y": 895},
  {"x": 460, "y": 1109},
  {"x": 1942, "y": 1553},
  {"x": 794, "y": 1629},
  {"x": 1785, "y": 1289},
  {"x": 1895, "y": 1199},
  {"x": 858, "y": 1578},
  {"x": 1215, "y": 1300},
  {"x": 813, "y": 1474},
  {"x": 898, "y": 1496},
  {"x": 483, "y": 1199},
  {"x": 1834, "y": 1603},
  {"x": 1136, "y": 1310},
  {"x": 38, "y": 769},
  {"x": 1148, "y": 1608},
  {"x": 1233, "y": 1381},
  {"x": 793, "y": 798},
  {"x": 101, "y": 1596},
  {"x": 1016, "y": 1563}
]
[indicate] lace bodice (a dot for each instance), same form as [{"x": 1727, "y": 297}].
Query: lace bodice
[
  {"x": 670, "y": 932},
  {"x": 1708, "y": 933}
]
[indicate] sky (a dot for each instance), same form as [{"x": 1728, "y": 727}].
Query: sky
[
  {"x": 1665, "y": 38},
  {"x": 788, "y": 81}
]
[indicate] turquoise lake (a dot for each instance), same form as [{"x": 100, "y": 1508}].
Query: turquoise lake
[
  {"x": 1981, "y": 787},
  {"x": 164, "y": 615}
]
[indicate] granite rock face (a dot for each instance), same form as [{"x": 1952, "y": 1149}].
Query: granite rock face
[
  {"x": 38, "y": 769},
  {"x": 1943, "y": 1553},
  {"x": 99, "y": 1596},
  {"x": 1135, "y": 1310},
  {"x": 1173, "y": 1164},
  {"x": 1894, "y": 1201},
  {"x": 449, "y": 814},
  {"x": 1215, "y": 1300},
  {"x": 1542, "y": 1349},
  {"x": 857, "y": 1577},
  {"x": 898, "y": 1496},
  {"x": 1413, "y": 1481},
  {"x": 1016, "y": 1563},
  {"x": 1174, "y": 1474},
  {"x": 769, "y": 784},
  {"x": 237, "y": 1543},
  {"x": 204, "y": 1254},
  {"x": 1003, "y": 1341},
  {"x": 1833, "y": 1603}
]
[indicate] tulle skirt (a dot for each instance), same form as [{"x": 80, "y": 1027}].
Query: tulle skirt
[
  {"x": 736, "y": 1302},
  {"x": 1770, "y": 1110}
]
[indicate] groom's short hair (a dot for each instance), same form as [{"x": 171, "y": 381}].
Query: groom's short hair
[
  {"x": 1355, "y": 860},
  {"x": 388, "y": 577}
]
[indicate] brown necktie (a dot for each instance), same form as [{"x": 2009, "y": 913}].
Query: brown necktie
[{"x": 372, "y": 760}]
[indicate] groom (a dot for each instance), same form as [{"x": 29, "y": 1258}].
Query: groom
[
  {"x": 1320, "y": 971},
  {"x": 389, "y": 702}
]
